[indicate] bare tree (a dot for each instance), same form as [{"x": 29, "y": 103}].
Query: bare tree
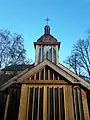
[
  {"x": 4, "y": 46},
  {"x": 17, "y": 51},
  {"x": 12, "y": 49},
  {"x": 80, "y": 60}
]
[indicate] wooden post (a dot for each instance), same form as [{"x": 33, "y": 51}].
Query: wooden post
[
  {"x": 45, "y": 104},
  {"x": 85, "y": 105},
  {"x": 23, "y": 103},
  {"x": 38, "y": 103},
  {"x": 48, "y": 74},
  {"x": 68, "y": 103},
  {"x": 6, "y": 108}
]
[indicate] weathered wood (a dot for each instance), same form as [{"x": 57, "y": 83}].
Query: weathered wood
[
  {"x": 45, "y": 104},
  {"x": 48, "y": 74},
  {"x": 68, "y": 103},
  {"x": 28, "y": 103},
  {"x": 33, "y": 103},
  {"x": 6, "y": 108},
  {"x": 85, "y": 105},
  {"x": 75, "y": 105},
  {"x": 39, "y": 75},
  {"x": 45, "y": 82},
  {"x": 59, "y": 103},
  {"x": 38, "y": 103},
  {"x": 35, "y": 76},
  {"x": 23, "y": 103},
  {"x": 58, "y": 68},
  {"x": 54, "y": 101},
  {"x": 80, "y": 103},
  {"x": 48, "y": 104},
  {"x": 44, "y": 74}
]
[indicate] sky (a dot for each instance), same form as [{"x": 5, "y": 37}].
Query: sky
[{"x": 69, "y": 21}]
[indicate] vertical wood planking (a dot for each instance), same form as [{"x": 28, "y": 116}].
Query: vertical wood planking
[
  {"x": 39, "y": 75},
  {"x": 68, "y": 103},
  {"x": 6, "y": 108},
  {"x": 59, "y": 103},
  {"x": 23, "y": 103},
  {"x": 48, "y": 103},
  {"x": 28, "y": 103},
  {"x": 54, "y": 101},
  {"x": 85, "y": 105},
  {"x": 33, "y": 103},
  {"x": 75, "y": 104},
  {"x": 80, "y": 103},
  {"x": 38, "y": 103},
  {"x": 48, "y": 74},
  {"x": 45, "y": 104},
  {"x": 44, "y": 74},
  {"x": 35, "y": 76}
]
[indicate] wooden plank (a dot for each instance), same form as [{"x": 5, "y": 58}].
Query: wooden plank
[
  {"x": 79, "y": 103},
  {"x": 44, "y": 74},
  {"x": 54, "y": 101},
  {"x": 85, "y": 105},
  {"x": 45, "y": 104},
  {"x": 33, "y": 102},
  {"x": 68, "y": 103},
  {"x": 6, "y": 108},
  {"x": 35, "y": 76},
  {"x": 39, "y": 75},
  {"x": 23, "y": 103},
  {"x": 44, "y": 82},
  {"x": 28, "y": 103},
  {"x": 48, "y": 74},
  {"x": 75, "y": 105},
  {"x": 48, "y": 103},
  {"x": 38, "y": 103},
  {"x": 59, "y": 103}
]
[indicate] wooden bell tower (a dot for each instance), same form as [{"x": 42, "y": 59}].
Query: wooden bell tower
[{"x": 46, "y": 47}]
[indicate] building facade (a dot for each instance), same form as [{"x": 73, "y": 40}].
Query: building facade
[{"x": 45, "y": 90}]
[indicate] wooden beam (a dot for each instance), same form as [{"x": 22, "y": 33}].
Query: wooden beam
[
  {"x": 48, "y": 74},
  {"x": 45, "y": 104},
  {"x": 6, "y": 108},
  {"x": 28, "y": 103},
  {"x": 79, "y": 103},
  {"x": 59, "y": 103},
  {"x": 54, "y": 101},
  {"x": 44, "y": 74},
  {"x": 85, "y": 105},
  {"x": 35, "y": 76},
  {"x": 33, "y": 102},
  {"x": 38, "y": 103},
  {"x": 23, "y": 103},
  {"x": 39, "y": 75},
  {"x": 45, "y": 82},
  {"x": 68, "y": 103},
  {"x": 75, "y": 104}
]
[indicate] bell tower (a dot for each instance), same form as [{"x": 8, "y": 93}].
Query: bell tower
[{"x": 47, "y": 47}]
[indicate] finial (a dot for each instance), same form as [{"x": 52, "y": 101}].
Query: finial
[{"x": 47, "y": 20}]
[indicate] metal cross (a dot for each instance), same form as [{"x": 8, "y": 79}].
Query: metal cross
[{"x": 47, "y": 20}]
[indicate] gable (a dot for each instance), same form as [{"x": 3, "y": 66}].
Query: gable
[
  {"x": 46, "y": 75},
  {"x": 47, "y": 70}
]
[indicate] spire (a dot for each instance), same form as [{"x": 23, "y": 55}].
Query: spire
[{"x": 47, "y": 27}]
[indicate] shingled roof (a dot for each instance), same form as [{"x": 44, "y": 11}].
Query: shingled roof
[{"x": 47, "y": 38}]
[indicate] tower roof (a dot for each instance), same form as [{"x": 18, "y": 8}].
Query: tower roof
[{"x": 47, "y": 38}]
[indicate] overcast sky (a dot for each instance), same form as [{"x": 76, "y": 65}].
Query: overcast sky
[{"x": 69, "y": 21}]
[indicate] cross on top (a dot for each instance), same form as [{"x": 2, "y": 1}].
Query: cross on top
[{"x": 47, "y": 20}]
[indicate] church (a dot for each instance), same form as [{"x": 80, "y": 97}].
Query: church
[{"x": 44, "y": 90}]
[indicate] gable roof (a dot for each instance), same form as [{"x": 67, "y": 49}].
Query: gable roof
[{"x": 69, "y": 75}]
